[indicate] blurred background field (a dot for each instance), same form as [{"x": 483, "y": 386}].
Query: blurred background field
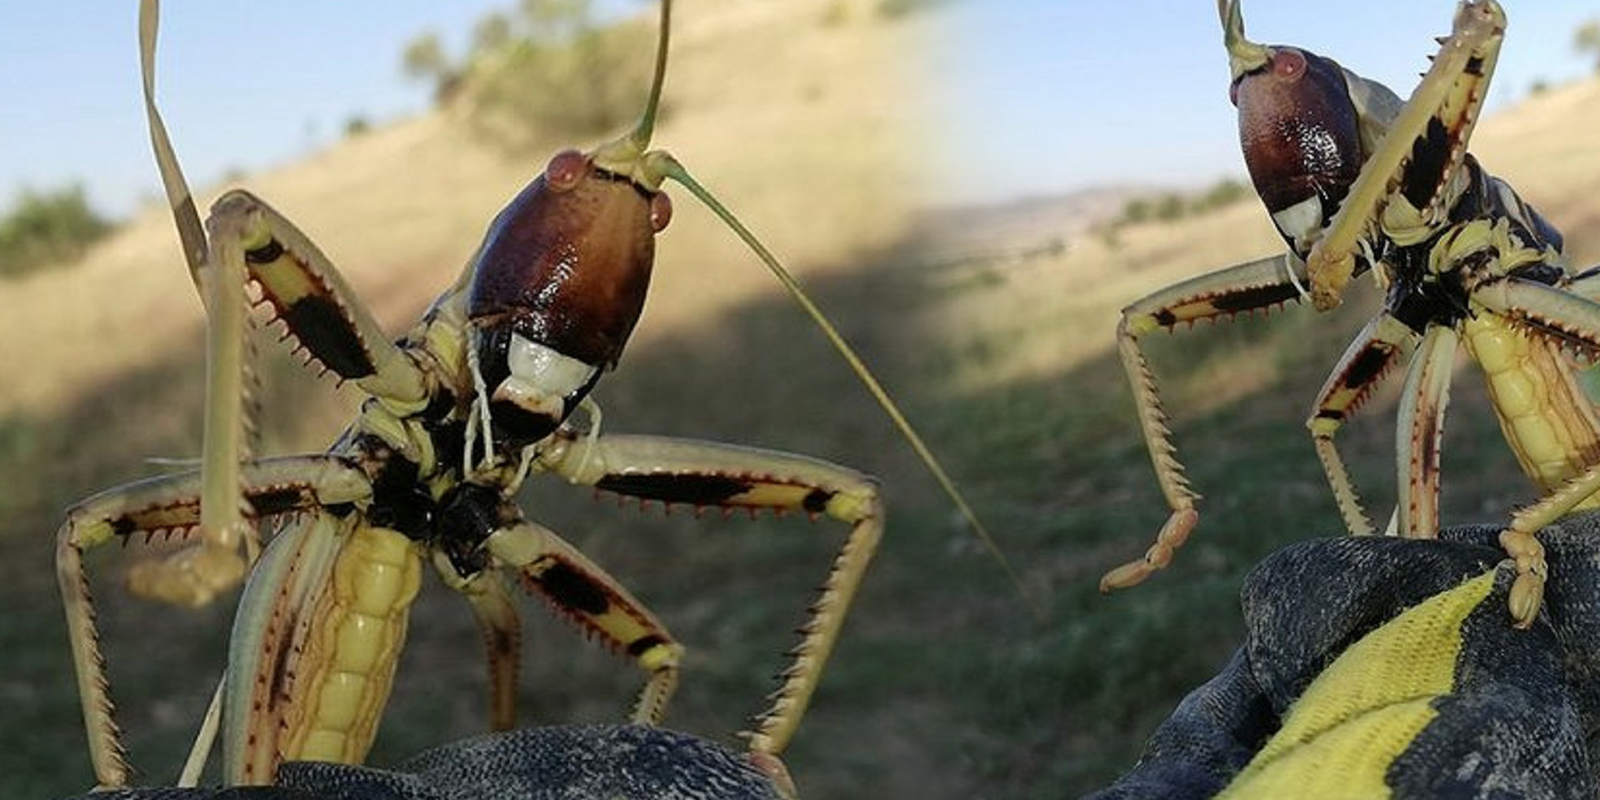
[{"x": 992, "y": 323}]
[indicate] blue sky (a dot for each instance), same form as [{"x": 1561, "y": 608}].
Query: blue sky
[
  {"x": 243, "y": 84},
  {"x": 1041, "y": 95},
  {"x": 1035, "y": 96}
]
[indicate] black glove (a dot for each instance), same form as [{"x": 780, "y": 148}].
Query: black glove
[
  {"x": 1377, "y": 666},
  {"x": 614, "y": 762}
]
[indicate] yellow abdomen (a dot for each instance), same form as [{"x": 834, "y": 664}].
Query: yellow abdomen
[
  {"x": 1548, "y": 421},
  {"x": 351, "y": 656}
]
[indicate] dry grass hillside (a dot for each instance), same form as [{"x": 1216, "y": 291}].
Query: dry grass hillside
[
  {"x": 801, "y": 144},
  {"x": 778, "y": 108},
  {"x": 943, "y": 686}
]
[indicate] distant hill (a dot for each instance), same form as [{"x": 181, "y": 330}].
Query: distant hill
[{"x": 1017, "y": 228}]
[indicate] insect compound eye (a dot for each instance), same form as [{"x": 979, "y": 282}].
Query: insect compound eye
[
  {"x": 565, "y": 169},
  {"x": 1288, "y": 64},
  {"x": 660, "y": 211}
]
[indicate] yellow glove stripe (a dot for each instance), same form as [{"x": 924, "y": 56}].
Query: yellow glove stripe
[{"x": 1364, "y": 710}]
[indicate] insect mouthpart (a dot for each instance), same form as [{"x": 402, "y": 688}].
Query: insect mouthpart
[{"x": 531, "y": 388}]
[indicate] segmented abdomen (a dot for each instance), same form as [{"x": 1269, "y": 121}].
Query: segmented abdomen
[
  {"x": 319, "y": 632},
  {"x": 1548, "y": 421},
  {"x": 348, "y": 664}
]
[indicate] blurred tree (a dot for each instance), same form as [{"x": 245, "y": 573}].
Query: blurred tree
[
  {"x": 550, "y": 67},
  {"x": 46, "y": 229},
  {"x": 556, "y": 69},
  {"x": 424, "y": 59},
  {"x": 491, "y": 33},
  {"x": 1587, "y": 40}
]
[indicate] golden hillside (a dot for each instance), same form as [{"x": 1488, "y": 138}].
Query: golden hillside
[
  {"x": 778, "y": 112},
  {"x": 776, "y": 107}
]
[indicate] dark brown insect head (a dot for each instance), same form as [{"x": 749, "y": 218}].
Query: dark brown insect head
[
  {"x": 1300, "y": 133},
  {"x": 558, "y": 285}
]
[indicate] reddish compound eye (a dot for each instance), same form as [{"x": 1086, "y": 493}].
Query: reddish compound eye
[
  {"x": 660, "y": 211},
  {"x": 565, "y": 170},
  {"x": 1288, "y": 64}
]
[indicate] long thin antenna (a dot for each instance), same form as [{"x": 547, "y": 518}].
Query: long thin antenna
[
  {"x": 672, "y": 168},
  {"x": 190, "y": 231},
  {"x": 647, "y": 121}
]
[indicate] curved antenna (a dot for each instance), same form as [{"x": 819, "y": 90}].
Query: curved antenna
[
  {"x": 670, "y": 167},
  {"x": 647, "y": 121},
  {"x": 190, "y": 231},
  {"x": 1243, "y": 54},
  {"x": 626, "y": 155}
]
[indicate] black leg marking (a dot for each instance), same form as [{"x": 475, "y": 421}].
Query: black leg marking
[
  {"x": 1368, "y": 366},
  {"x": 700, "y": 490},
  {"x": 642, "y": 645},
  {"x": 281, "y": 500},
  {"x": 1259, "y": 297},
  {"x": 265, "y": 254},
  {"x": 321, "y": 326},
  {"x": 1425, "y": 174},
  {"x": 817, "y": 501},
  {"x": 571, "y": 589}
]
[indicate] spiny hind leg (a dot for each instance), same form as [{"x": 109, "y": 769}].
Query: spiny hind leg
[
  {"x": 1419, "y": 432},
  {"x": 501, "y": 628},
  {"x": 167, "y": 503}
]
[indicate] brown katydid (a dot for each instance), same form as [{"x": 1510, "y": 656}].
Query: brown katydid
[
  {"x": 479, "y": 395},
  {"x": 1358, "y": 181}
]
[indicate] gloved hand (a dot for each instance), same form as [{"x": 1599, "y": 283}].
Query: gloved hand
[
  {"x": 1382, "y": 667},
  {"x": 610, "y": 762}
]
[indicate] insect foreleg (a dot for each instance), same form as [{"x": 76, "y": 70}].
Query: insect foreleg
[
  {"x": 1255, "y": 285},
  {"x": 173, "y": 504},
  {"x": 711, "y": 474},
  {"x": 309, "y": 295},
  {"x": 1406, "y": 186},
  {"x": 215, "y": 563},
  {"x": 242, "y": 240},
  {"x": 1368, "y": 359}
]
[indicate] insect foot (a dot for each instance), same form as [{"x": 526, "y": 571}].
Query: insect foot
[
  {"x": 190, "y": 577},
  {"x": 1527, "y": 592},
  {"x": 1172, "y": 536}
]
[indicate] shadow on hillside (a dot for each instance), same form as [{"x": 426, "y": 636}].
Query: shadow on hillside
[{"x": 942, "y": 684}]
